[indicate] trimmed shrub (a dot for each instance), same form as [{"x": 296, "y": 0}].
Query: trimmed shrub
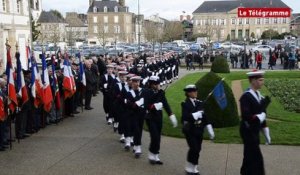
[
  {"x": 219, "y": 118},
  {"x": 220, "y": 65}
]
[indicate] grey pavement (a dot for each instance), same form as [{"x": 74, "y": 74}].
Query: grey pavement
[{"x": 85, "y": 145}]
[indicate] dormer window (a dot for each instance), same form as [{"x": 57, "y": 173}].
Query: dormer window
[
  {"x": 116, "y": 8},
  {"x": 95, "y": 9},
  {"x": 105, "y": 9}
]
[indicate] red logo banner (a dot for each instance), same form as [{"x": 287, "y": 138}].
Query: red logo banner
[{"x": 264, "y": 12}]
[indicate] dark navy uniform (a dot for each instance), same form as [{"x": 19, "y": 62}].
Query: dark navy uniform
[{"x": 251, "y": 125}]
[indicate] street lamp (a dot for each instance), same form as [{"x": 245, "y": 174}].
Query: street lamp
[
  {"x": 244, "y": 62},
  {"x": 139, "y": 32}
]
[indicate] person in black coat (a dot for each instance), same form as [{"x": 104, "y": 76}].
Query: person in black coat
[
  {"x": 155, "y": 103},
  {"x": 253, "y": 108},
  {"x": 90, "y": 84},
  {"x": 194, "y": 121}
]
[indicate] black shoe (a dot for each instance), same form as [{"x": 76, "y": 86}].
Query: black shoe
[
  {"x": 127, "y": 148},
  {"x": 26, "y": 135},
  {"x": 152, "y": 162},
  {"x": 88, "y": 108},
  {"x": 115, "y": 129},
  {"x": 159, "y": 162},
  {"x": 2, "y": 149},
  {"x": 137, "y": 155}
]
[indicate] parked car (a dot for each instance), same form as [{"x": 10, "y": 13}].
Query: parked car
[
  {"x": 262, "y": 48},
  {"x": 228, "y": 45}
]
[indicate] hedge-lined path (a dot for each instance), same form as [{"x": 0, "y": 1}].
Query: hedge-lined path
[{"x": 85, "y": 145}]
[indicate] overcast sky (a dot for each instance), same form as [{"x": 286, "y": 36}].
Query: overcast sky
[{"x": 169, "y": 9}]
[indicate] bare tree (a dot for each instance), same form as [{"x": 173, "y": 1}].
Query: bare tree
[
  {"x": 102, "y": 34},
  {"x": 210, "y": 29},
  {"x": 153, "y": 32},
  {"x": 173, "y": 30},
  {"x": 54, "y": 35},
  {"x": 72, "y": 35}
]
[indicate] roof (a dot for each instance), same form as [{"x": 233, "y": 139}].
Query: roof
[
  {"x": 109, "y": 4},
  {"x": 49, "y": 17},
  {"x": 73, "y": 20},
  {"x": 228, "y": 5}
]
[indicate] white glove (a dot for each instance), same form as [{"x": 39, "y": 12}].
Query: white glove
[
  {"x": 145, "y": 80},
  {"x": 168, "y": 69},
  {"x": 158, "y": 106},
  {"x": 266, "y": 132},
  {"x": 160, "y": 71},
  {"x": 173, "y": 120},
  {"x": 156, "y": 74},
  {"x": 261, "y": 117},
  {"x": 125, "y": 101},
  {"x": 105, "y": 86},
  {"x": 210, "y": 131},
  {"x": 153, "y": 74},
  {"x": 140, "y": 102},
  {"x": 197, "y": 115},
  {"x": 173, "y": 68}
]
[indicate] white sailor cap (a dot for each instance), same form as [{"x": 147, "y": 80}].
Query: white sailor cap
[
  {"x": 136, "y": 78},
  {"x": 110, "y": 66},
  {"x": 154, "y": 80},
  {"x": 190, "y": 88},
  {"x": 123, "y": 72},
  {"x": 256, "y": 74},
  {"x": 139, "y": 65}
]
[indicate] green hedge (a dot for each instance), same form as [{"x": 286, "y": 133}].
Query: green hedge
[
  {"x": 220, "y": 65},
  {"x": 219, "y": 118}
]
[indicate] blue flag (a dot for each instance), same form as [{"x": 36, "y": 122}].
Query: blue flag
[{"x": 220, "y": 95}]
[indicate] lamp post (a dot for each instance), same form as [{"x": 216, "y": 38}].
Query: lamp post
[
  {"x": 139, "y": 32},
  {"x": 244, "y": 62}
]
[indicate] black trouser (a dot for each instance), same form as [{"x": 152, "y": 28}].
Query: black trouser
[
  {"x": 20, "y": 125},
  {"x": 76, "y": 100},
  {"x": 69, "y": 103},
  {"x": 253, "y": 163},
  {"x": 194, "y": 142},
  {"x": 129, "y": 124},
  {"x": 88, "y": 98},
  {"x": 155, "y": 127},
  {"x": 106, "y": 103},
  {"x": 138, "y": 124},
  {"x": 291, "y": 64},
  {"x": 121, "y": 119},
  {"x": 258, "y": 66}
]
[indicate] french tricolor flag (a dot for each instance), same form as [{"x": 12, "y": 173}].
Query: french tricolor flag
[
  {"x": 11, "y": 91},
  {"x": 82, "y": 77},
  {"x": 47, "y": 93},
  {"x": 68, "y": 82},
  {"x": 36, "y": 84},
  {"x": 21, "y": 86}
]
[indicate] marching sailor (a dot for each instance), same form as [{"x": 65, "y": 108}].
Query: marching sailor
[
  {"x": 194, "y": 121},
  {"x": 155, "y": 103},
  {"x": 253, "y": 111}
]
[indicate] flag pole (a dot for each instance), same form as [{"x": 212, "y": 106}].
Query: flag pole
[
  {"x": 211, "y": 92},
  {"x": 8, "y": 112}
]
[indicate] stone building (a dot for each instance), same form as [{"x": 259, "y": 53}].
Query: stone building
[
  {"x": 219, "y": 19},
  {"x": 109, "y": 21}
]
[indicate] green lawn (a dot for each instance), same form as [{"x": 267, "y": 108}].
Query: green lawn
[{"x": 285, "y": 126}]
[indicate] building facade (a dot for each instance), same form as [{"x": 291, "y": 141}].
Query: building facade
[
  {"x": 109, "y": 21},
  {"x": 36, "y": 9},
  {"x": 52, "y": 28},
  {"x": 76, "y": 28},
  {"x": 15, "y": 27},
  {"x": 220, "y": 21}
]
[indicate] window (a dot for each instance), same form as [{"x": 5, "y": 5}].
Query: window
[
  {"x": 222, "y": 33},
  {"x": 105, "y": 19},
  {"x": 117, "y": 29},
  {"x": 95, "y": 29},
  {"x": 222, "y": 22},
  {"x": 240, "y": 21},
  {"x": 258, "y": 21},
  {"x": 267, "y": 21},
  {"x": 247, "y": 21},
  {"x": 105, "y": 9},
  {"x": 275, "y": 20},
  {"x": 214, "y": 22},
  {"x": 105, "y": 28},
  {"x": 95, "y": 9},
  {"x": 279, "y": 20},
  {"x": 233, "y": 21},
  {"x": 116, "y": 19},
  {"x": 37, "y": 5},
  {"x": 284, "y": 20},
  {"x": 116, "y": 8},
  {"x": 18, "y": 6},
  {"x": 283, "y": 29},
  {"x": 95, "y": 19},
  {"x": 4, "y": 5}
]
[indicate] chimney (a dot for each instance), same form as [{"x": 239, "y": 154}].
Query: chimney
[
  {"x": 188, "y": 17},
  {"x": 122, "y": 2}
]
